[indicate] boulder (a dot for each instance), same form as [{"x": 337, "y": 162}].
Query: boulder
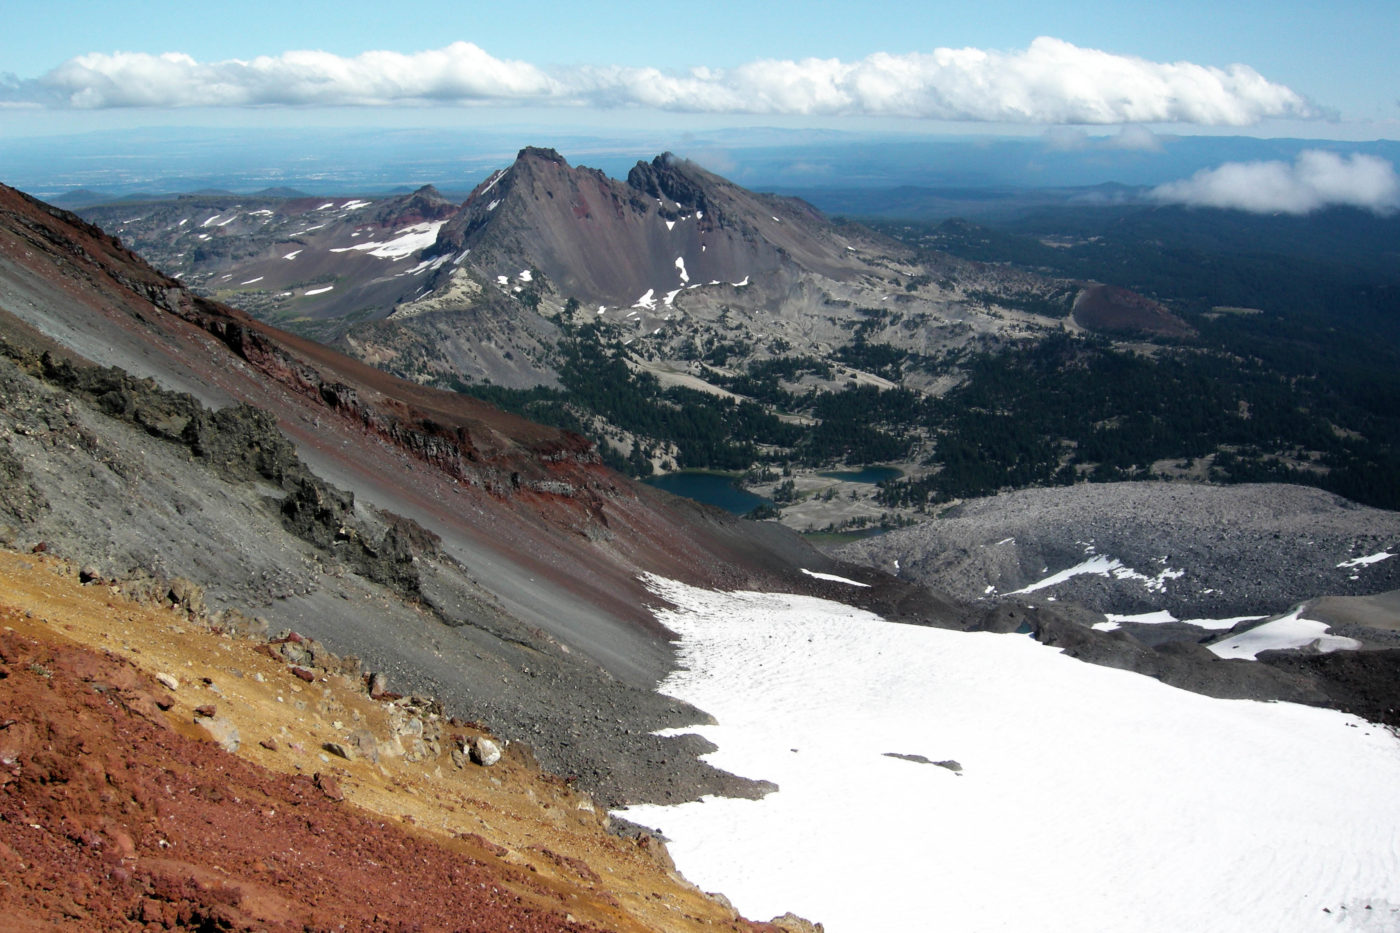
[
  {"x": 485, "y": 752},
  {"x": 340, "y": 750}
]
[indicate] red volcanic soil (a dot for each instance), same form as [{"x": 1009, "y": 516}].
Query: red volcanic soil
[
  {"x": 110, "y": 819},
  {"x": 119, "y": 812},
  {"x": 1117, "y": 310}
]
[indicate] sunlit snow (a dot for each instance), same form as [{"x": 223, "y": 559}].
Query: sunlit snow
[
  {"x": 1291, "y": 631},
  {"x": 1162, "y": 617},
  {"x": 1220, "y": 623},
  {"x": 648, "y": 300},
  {"x": 491, "y": 183},
  {"x": 406, "y": 242},
  {"x": 1104, "y": 566},
  {"x": 251, "y": 281},
  {"x": 354, "y": 205},
  {"x": 426, "y": 266},
  {"x": 318, "y": 291},
  {"x": 293, "y": 254},
  {"x": 1363, "y": 561},
  {"x": 833, "y": 578},
  {"x": 1089, "y": 799},
  {"x": 680, "y": 266}
]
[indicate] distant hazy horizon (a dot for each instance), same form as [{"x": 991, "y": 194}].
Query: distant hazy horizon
[{"x": 1259, "y": 174}]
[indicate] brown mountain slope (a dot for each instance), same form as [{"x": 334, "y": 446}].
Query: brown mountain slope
[
  {"x": 671, "y": 226},
  {"x": 484, "y": 559}
]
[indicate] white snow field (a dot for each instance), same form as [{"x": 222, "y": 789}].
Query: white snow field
[
  {"x": 1089, "y": 799},
  {"x": 1290, "y": 631}
]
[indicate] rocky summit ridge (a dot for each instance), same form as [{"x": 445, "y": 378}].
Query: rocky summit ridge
[
  {"x": 670, "y": 227},
  {"x": 674, "y": 261}
]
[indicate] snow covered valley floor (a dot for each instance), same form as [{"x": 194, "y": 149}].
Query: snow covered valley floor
[{"x": 939, "y": 780}]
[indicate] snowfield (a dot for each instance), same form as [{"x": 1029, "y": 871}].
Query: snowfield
[
  {"x": 1103, "y": 566},
  {"x": 1087, "y": 799},
  {"x": 406, "y": 242},
  {"x": 1290, "y": 631}
]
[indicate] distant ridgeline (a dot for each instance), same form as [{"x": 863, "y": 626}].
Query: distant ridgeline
[
  {"x": 682, "y": 322},
  {"x": 1250, "y": 349}
]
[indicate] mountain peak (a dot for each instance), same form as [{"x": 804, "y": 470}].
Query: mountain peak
[
  {"x": 667, "y": 177},
  {"x": 541, "y": 154},
  {"x": 429, "y": 197}
]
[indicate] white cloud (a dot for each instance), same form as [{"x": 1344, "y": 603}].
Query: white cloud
[
  {"x": 1050, "y": 82},
  {"x": 459, "y": 72},
  {"x": 1317, "y": 179}
]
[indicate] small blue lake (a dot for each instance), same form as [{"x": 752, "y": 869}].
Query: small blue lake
[
  {"x": 709, "y": 488},
  {"x": 870, "y": 474}
]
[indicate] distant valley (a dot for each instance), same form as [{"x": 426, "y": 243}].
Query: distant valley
[{"x": 682, "y": 322}]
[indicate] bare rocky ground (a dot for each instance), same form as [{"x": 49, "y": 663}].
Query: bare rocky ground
[
  {"x": 108, "y": 494},
  {"x": 1240, "y": 550},
  {"x": 1198, "y": 551},
  {"x": 160, "y": 771}
]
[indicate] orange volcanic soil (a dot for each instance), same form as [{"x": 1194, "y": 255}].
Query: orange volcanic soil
[{"x": 118, "y": 811}]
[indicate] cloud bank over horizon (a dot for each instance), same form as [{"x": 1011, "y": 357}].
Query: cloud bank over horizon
[
  {"x": 1317, "y": 179},
  {"x": 1049, "y": 82}
]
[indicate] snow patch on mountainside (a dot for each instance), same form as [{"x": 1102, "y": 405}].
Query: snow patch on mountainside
[
  {"x": 1163, "y": 617},
  {"x": 1104, "y": 566},
  {"x": 833, "y": 578},
  {"x": 406, "y": 242},
  {"x": 978, "y": 782},
  {"x": 1291, "y": 631},
  {"x": 1364, "y": 561}
]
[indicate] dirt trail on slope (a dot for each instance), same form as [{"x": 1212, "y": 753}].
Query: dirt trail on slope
[{"x": 118, "y": 810}]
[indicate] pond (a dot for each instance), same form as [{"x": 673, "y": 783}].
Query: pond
[
  {"x": 870, "y": 474},
  {"x": 709, "y": 488}
]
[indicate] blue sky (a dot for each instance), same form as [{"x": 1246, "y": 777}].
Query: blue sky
[{"x": 1326, "y": 71}]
